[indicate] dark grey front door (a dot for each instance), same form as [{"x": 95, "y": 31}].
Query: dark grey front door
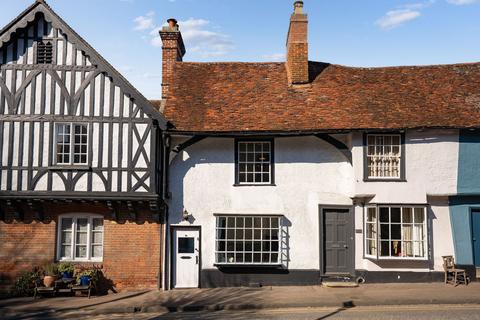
[{"x": 337, "y": 237}]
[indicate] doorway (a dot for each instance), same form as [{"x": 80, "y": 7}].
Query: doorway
[
  {"x": 337, "y": 246},
  {"x": 186, "y": 257}
]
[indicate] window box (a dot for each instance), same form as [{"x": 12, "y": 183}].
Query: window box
[
  {"x": 396, "y": 232},
  {"x": 80, "y": 238},
  {"x": 384, "y": 157},
  {"x": 254, "y": 162},
  {"x": 246, "y": 240}
]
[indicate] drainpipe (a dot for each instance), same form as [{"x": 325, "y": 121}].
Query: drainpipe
[{"x": 165, "y": 195}]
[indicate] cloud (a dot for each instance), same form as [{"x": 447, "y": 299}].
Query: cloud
[
  {"x": 199, "y": 38},
  {"x": 144, "y": 22},
  {"x": 274, "y": 57},
  {"x": 461, "y": 2},
  {"x": 395, "y": 18}
]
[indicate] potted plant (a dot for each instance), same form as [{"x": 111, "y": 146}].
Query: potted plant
[
  {"x": 66, "y": 269},
  {"x": 86, "y": 275},
  {"x": 50, "y": 272}
]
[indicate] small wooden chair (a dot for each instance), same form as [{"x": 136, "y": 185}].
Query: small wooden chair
[{"x": 453, "y": 275}]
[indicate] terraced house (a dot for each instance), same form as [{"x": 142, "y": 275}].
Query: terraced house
[{"x": 243, "y": 174}]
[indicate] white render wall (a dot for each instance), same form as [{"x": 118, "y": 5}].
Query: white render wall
[
  {"x": 431, "y": 168},
  {"x": 308, "y": 172}
]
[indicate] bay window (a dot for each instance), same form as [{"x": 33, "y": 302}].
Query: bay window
[
  {"x": 247, "y": 240},
  {"x": 80, "y": 238},
  {"x": 396, "y": 232}
]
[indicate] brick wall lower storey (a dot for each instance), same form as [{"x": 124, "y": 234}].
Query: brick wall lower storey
[{"x": 131, "y": 246}]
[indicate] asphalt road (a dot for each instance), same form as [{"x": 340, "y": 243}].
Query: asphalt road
[{"x": 436, "y": 312}]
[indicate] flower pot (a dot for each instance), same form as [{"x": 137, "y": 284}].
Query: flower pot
[
  {"x": 67, "y": 275},
  {"x": 48, "y": 281},
  {"x": 84, "y": 280}
]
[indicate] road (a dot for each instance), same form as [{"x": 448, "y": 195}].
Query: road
[{"x": 436, "y": 312}]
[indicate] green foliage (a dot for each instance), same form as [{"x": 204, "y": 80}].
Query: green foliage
[
  {"x": 25, "y": 284},
  {"x": 66, "y": 267},
  {"x": 91, "y": 272},
  {"x": 51, "y": 270}
]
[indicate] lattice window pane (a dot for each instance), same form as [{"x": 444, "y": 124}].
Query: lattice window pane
[
  {"x": 247, "y": 240},
  {"x": 254, "y": 162}
]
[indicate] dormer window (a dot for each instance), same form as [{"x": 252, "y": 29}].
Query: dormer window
[{"x": 44, "y": 52}]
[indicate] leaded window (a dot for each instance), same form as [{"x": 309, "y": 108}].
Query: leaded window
[
  {"x": 80, "y": 238},
  {"x": 396, "y": 232},
  {"x": 71, "y": 143},
  {"x": 254, "y": 162},
  {"x": 384, "y": 156},
  {"x": 247, "y": 240}
]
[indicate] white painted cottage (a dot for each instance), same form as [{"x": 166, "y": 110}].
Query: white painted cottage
[{"x": 290, "y": 173}]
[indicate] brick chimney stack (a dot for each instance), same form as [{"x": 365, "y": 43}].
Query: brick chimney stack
[
  {"x": 173, "y": 50},
  {"x": 297, "y": 46}
]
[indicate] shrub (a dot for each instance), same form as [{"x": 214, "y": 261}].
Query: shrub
[{"x": 25, "y": 284}]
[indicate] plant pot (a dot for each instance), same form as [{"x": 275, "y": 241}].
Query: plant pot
[
  {"x": 48, "y": 281},
  {"x": 67, "y": 275},
  {"x": 84, "y": 280}
]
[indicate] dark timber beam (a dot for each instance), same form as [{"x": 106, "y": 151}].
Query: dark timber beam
[
  {"x": 337, "y": 144},
  {"x": 188, "y": 143}
]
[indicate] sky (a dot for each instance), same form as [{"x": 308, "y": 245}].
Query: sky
[{"x": 361, "y": 33}]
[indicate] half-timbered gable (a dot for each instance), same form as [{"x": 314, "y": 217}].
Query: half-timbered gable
[{"x": 69, "y": 122}]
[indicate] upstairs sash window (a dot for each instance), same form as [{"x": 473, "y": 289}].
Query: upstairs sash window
[
  {"x": 71, "y": 143},
  {"x": 254, "y": 163},
  {"x": 384, "y": 156},
  {"x": 396, "y": 232}
]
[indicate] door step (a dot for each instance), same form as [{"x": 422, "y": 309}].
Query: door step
[
  {"x": 478, "y": 273},
  {"x": 339, "y": 284}
]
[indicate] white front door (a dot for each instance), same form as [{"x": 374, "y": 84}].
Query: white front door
[{"x": 186, "y": 257}]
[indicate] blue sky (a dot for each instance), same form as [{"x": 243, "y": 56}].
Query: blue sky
[{"x": 348, "y": 32}]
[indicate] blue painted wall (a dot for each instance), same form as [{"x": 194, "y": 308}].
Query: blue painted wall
[
  {"x": 468, "y": 189},
  {"x": 469, "y": 162}
]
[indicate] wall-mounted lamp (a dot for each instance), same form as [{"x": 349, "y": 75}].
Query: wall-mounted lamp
[{"x": 185, "y": 215}]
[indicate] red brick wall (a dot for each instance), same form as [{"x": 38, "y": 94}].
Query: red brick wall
[
  {"x": 171, "y": 53},
  {"x": 132, "y": 249}
]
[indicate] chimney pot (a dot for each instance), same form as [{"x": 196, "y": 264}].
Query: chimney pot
[{"x": 298, "y": 7}]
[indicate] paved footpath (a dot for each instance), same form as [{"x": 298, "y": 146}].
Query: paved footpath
[{"x": 243, "y": 299}]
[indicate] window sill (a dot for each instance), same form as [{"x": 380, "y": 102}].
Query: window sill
[
  {"x": 254, "y": 185},
  {"x": 70, "y": 168},
  {"x": 81, "y": 260},
  {"x": 247, "y": 265},
  {"x": 395, "y": 258},
  {"x": 383, "y": 180}
]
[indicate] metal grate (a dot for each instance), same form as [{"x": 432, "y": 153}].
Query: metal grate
[{"x": 44, "y": 53}]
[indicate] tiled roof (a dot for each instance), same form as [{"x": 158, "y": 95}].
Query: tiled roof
[{"x": 237, "y": 97}]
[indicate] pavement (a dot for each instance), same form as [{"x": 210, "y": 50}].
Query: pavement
[{"x": 244, "y": 299}]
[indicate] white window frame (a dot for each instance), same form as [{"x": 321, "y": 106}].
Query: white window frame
[
  {"x": 75, "y": 217},
  {"x": 72, "y": 144},
  {"x": 383, "y": 155},
  {"x": 243, "y": 252},
  {"x": 378, "y": 256},
  {"x": 254, "y": 162}
]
